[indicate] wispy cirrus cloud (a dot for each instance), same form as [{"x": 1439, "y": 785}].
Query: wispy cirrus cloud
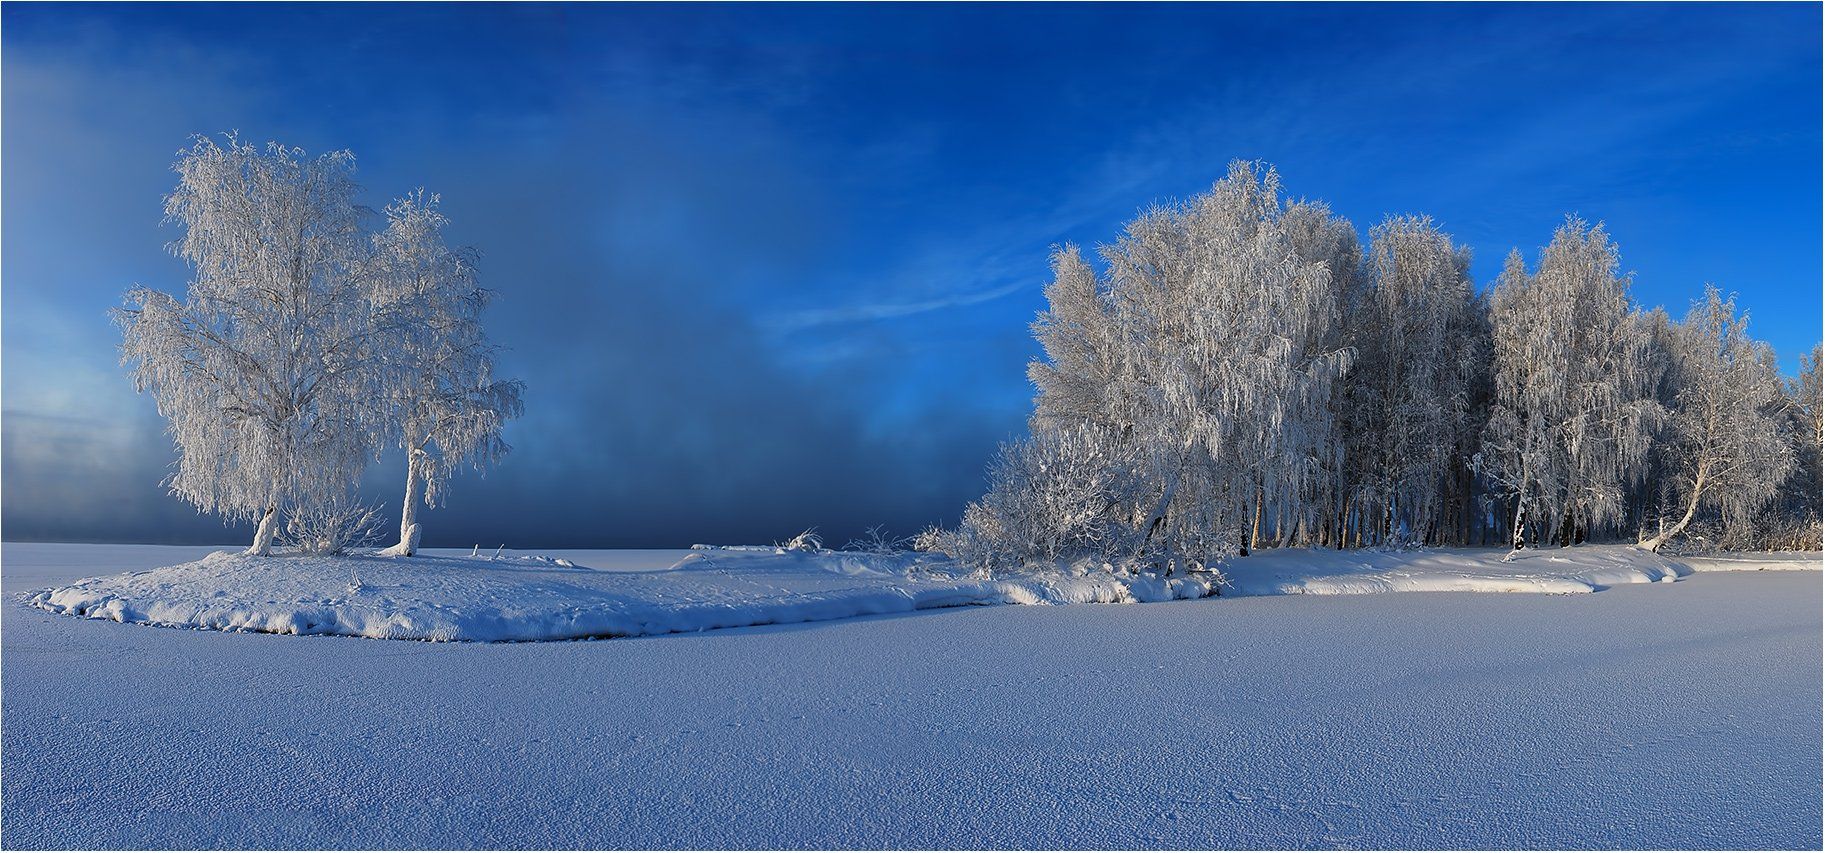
[{"x": 794, "y": 321}]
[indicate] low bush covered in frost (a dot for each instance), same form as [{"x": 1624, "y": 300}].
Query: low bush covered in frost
[{"x": 333, "y": 527}]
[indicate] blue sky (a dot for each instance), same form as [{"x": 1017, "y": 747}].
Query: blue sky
[{"x": 769, "y": 267}]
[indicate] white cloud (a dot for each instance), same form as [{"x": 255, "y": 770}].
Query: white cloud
[{"x": 868, "y": 312}]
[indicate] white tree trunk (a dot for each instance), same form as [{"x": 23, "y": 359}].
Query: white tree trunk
[
  {"x": 1666, "y": 535},
  {"x": 1516, "y": 538},
  {"x": 1254, "y": 532},
  {"x": 263, "y": 535},
  {"x": 409, "y": 529},
  {"x": 1158, "y": 518}
]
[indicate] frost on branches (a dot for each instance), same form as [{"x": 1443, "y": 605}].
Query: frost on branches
[
  {"x": 447, "y": 407},
  {"x": 1239, "y": 372},
  {"x": 1724, "y": 445},
  {"x": 1201, "y": 365},
  {"x": 1794, "y": 522},
  {"x": 303, "y": 346},
  {"x": 1575, "y": 370},
  {"x": 1411, "y": 412}
]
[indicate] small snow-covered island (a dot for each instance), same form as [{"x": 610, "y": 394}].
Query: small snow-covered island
[{"x": 585, "y": 500}]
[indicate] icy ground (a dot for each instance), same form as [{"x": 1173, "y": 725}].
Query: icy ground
[
  {"x": 1682, "y": 715},
  {"x": 496, "y": 596}
]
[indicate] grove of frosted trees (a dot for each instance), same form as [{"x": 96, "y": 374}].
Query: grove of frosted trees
[
  {"x": 1242, "y": 372},
  {"x": 306, "y": 346}
]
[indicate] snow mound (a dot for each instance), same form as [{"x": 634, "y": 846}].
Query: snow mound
[
  {"x": 1756, "y": 561},
  {"x": 518, "y": 598},
  {"x": 1585, "y": 568},
  {"x": 523, "y": 597}
]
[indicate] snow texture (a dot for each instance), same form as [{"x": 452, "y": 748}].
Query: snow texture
[
  {"x": 1586, "y": 568},
  {"x": 489, "y": 598},
  {"x": 521, "y": 597},
  {"x": 1684, "y": 715}
]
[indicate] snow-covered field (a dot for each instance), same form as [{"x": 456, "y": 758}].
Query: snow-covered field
[
  {"x": 1656, "y": 715},
  {"x": 496, "y": 596}
]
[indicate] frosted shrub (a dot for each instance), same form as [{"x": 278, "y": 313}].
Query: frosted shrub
[
  {"x": 1769, "y": 531},
  {"x": 807, "y": 541},
  {"x": 1053, "y": 496},
  {"x": 876, "y": 540},
  {"x": 332, "y": 527},
  {"x": 1787, "y": 531},
  {"x": 933, "y": 540}
]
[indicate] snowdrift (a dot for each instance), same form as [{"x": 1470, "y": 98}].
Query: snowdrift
[
  {"x": 519, "y": 598},
  {"x": 540, "y": 598},
  {"x": 1586, "y": 568}
]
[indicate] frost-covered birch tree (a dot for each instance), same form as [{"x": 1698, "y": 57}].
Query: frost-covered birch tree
[
  {"x": 1804, "y": 397},
  {"x": 445, "y": 407},
  {"x": 1081, "y": 369},
  {"x": 1573, "y": 416},
  {"x": 1315, "y": 510},
  {"x": 1802, "y": 504},
  {"x": 263, "y": 368},
  {"x": 1806, "y": 408},
  {"x": 1421, "y": 352},
  {"x": 1202, "y": 358},
  {"x": 1232, "y": 327},
  {"x": 1724, "y": 440}
]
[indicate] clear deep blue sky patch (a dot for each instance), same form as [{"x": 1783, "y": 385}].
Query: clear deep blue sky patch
[{"x": 769, "y": 267}]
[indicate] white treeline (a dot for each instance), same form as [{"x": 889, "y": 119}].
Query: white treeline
[
  {"x": 305, "y": 346},
  {"x": 1239, "y": 371}
]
